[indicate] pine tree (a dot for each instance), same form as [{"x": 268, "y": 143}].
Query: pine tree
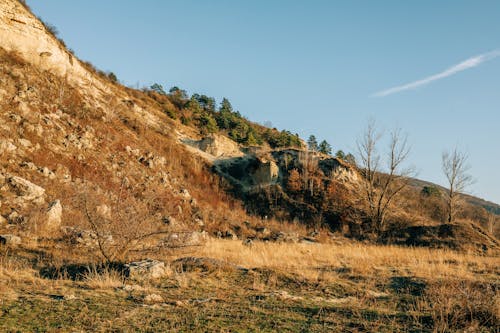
[
  {"x": 312, "y": 143},
  {"x": 325, "y": 148}
]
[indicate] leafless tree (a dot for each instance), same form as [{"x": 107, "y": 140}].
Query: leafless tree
[
  {"x": 381, "y": 185},
  {"x": 455, "y": 168}
]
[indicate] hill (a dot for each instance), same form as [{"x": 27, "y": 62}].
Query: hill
[{"x": 119, "y": 204}]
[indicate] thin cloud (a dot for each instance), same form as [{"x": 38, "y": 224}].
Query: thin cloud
[{"x": 466, "y": 64}]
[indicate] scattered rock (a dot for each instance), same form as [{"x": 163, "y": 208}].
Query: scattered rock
[
  {"x": 185, "y": 194},
  {"x": 169, "y": 220},
  {"x": 193, "y": 264},
  {"x": 248, "y": 242},
  {"x": 148, "y": 268},
  {"x": 15, "y": 218},
  {"x": 181, "y": 239},
  {"x": 46, "y": 172},
  {"x": 104, "y": 211},
  {"x": 81, "y": 237},
  {"x": 25, "y": 143},
  {"x": 281, "y": 236},
  {"x": 7, "y": 146},
  {"x": 153, "y": 299},
  {"x": 9, "y": 239}
]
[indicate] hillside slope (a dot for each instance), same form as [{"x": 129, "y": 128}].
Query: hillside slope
[{"x": 114, "y": 162}]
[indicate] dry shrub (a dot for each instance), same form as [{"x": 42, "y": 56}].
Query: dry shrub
[
  {"x": 103, "y": 279},
  {"x": 461, "y": 304},
  {"x": 121, "y": 224}
]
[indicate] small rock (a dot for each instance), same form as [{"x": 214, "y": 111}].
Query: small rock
[
  {"x": 104, "y": 211},
  {"x": 153, "y": 299},
  {"x": 9, "y": 239},
  {"x": 69, "y": 297},
  {"x": 185, "y": 193},
  {"x": 248, "y": 242},
  {"x": 169, "y": 220},
  {"x": 25, "y": 143}
]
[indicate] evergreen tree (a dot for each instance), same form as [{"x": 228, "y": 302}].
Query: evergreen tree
[
  {"x": 340, "y": 154},
  {"x": 325, "y": 148},
  {"x": 312, "y": 143}
]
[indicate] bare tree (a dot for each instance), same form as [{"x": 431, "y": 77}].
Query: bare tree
[
  {"x": 382, "y": 185},
  {"x": 455, "y": 168}
]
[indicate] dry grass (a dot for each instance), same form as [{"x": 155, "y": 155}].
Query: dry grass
[
  {"x": 361, "y": 259},
  {"x": 105, "y": 279}
]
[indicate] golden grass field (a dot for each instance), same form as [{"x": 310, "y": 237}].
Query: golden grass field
[{"x": 265, "y": 287}]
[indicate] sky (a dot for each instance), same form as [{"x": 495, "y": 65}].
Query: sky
[{"x": 430, "y": 68}]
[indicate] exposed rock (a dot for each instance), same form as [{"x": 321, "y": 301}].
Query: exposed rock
[
  {"x": 169, "y": 220},
  {"x": 291, "y": 237},
  {"x": 47, "y": 172},
  {"x": 11, "y": 240},
  {"x": 3, "y": 220},
  {"x": 85, "y": 238},
  {"x": 104, "y": 211},
  {"x": 54, "y": 215},
  {"x": 248, "y": 242},
  {"x": 185, "y": 194},
  {"x": 192, "y": 264},
  {"x": 181, "y": 239},
  {"x": 26, "y": 189},
  {"x": 267, "y": 172},
  {"x": 6, "y": 146},
  {"x": 25, "y": 143},
  {"x": 219, "y": 146},
  {"x": 29, "y": 166},
  {"x": 15, "y": 218},
  {"x": 263, "y": 231},
  {"x": 153, "y": 299},
  {"x": 148, "y": 268}
]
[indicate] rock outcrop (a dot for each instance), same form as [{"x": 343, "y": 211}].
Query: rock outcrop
[
  {"x": 54, "y": 215},
  {"x": 145, "y": 269},
  {"x": 26, "y": 190}
]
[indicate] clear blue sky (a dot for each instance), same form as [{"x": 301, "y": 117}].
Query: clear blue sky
[{"x": 315, "y": 67}]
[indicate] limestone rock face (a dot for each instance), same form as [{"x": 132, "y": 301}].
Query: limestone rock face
[
  {"x": 219, "y": 146},
  {"x": 22, "y": 32},
  {"x": 26, "y": 189},
  {"x": 149, "y": 268},
  {"x": 54, "y": 215},
  {"x": 267, "y": 172}
]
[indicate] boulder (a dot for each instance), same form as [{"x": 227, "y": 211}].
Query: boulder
[
  {"x": 54, "y": 215},
  {"x": 11, "y": 240},
  {"x": 148, "y": 268},
  {"x": 26, "y": 189}
]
